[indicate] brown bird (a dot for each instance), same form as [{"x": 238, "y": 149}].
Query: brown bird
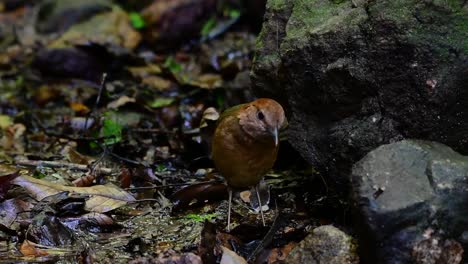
[{"x": 245, "y": 144}]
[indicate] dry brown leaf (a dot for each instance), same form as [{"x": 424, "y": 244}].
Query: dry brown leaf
[
  {"x": 79, "y": 107},
  {"x": 78, "y": 158},
  {"x": 28, "y": 249},
  {"x": 157, "y": 82},
  {"x": 209, "y": 81},
  {"x": 103, "y": 198},
  {"x": 144, "y": 71},
  {"x": 13, "y": 138}
]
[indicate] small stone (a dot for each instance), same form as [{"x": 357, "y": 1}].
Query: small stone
[{"x": 326, "y": 244}]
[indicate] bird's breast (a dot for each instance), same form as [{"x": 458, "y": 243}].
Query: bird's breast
[{"x": 242, "y": 160}]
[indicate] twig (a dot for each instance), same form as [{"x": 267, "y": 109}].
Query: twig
[
  {"x": 98, "y": 98},
  {"x": 169, "y": 185},
  {"x": 59, "y": 164},
  {"x": 268, "y": 237}
]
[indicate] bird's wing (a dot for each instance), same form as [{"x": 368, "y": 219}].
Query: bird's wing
[{"x": 230, "y": 111}]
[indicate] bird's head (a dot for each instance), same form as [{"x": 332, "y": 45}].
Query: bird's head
[{"x": 262, "y": 119}]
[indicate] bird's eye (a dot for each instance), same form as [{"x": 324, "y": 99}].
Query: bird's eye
[{"x": 260, "y": 115}]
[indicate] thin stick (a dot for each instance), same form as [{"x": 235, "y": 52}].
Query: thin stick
[
  {"x": 59, "y": 164},
  {"x": 268, "y": 237},
  {"x": 260, "y": 203},
  {"x": 98, "y": 98},
  {"x": 169, "y": 185},
  {"x": 229, "y": 210}
]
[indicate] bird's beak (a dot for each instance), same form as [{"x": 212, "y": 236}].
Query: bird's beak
[{"x": 275, "y": 134}]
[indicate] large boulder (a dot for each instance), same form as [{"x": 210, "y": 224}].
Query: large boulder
[
  {"x": 411, "y": 203},
  {"x": 354, "y": 75}
]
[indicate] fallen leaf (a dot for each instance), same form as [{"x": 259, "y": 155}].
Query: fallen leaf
[
  {"x": 144, "y": 71},
  {"x": 13, "y": 138},
  {"x": 10, "y": 209},
  {"x": 121, "y": 101},
  {"x": 103, "y": 198},
  {"x": 162, "y": 102},
  {"x": 230, "y": 257},
  {"x": 208, "y": 81},
  {"x": 78, "y": 158},
  {"x": 7, "y": 173},
  {"x": 5, "y": 121},
  {"x": 106, "y": 28},
  {"x": 157, "y": 82},
  {"x": 79, "y": 107},
  {"x": 28, "y": 249}
]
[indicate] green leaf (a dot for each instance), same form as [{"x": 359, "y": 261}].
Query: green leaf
[
  {"x": 208, "y": 26},
  {"x": 161, "y": 168},
  {"x": 172, "y": 64},
  {"x": 136, "y": 20},
  {"x": 201, "y": 218},
  {"x": 161, "y": 102},
  {"x": 112, "y": 131}
]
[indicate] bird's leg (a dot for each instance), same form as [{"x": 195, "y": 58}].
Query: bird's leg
[
  {"x": 229, "y": 209},
  {"x": 260, "y": 203}
]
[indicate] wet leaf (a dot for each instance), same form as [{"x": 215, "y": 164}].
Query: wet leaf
[
  {"x": 103, "y": 198},
  {"x": 90, "y": 219},
  {"x": 198, "y": 194}
]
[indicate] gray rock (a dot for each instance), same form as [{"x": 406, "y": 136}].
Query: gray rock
[
  {"x": 326, "y": 244},
  {"x": 407, "y": 192},
  {"x": 354, "y": 75}
]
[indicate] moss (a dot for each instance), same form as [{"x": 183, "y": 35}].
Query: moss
[
  {"x": 453, "y": 5},
  {"x": 443, "y": 28},
  {"x": 441, "y": 25},
  {"x": 316, "y": 17},
  {"x": 396, "y": 10},
  {"x": 276, "y": 4}
]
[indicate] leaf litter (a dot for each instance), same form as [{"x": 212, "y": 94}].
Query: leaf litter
[{"x": 104, "y": 135}]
